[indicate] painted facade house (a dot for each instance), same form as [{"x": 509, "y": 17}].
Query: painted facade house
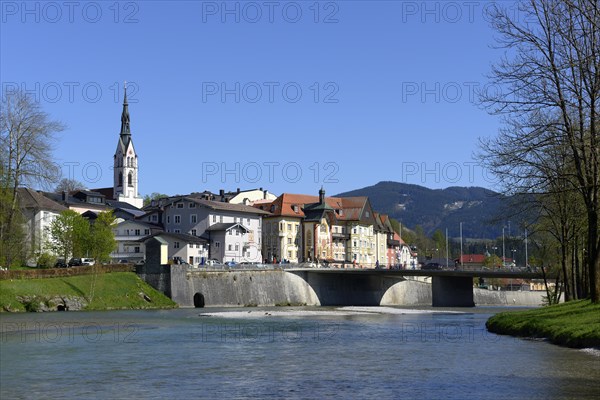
[
  {"x": 38, "y": 213},
  {"x": 304, "y": 228}
]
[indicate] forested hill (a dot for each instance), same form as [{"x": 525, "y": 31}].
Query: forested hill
[{"x": 477, "y": 208}]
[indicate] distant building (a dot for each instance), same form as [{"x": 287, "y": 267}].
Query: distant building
[{"x": 38, "y": 213}]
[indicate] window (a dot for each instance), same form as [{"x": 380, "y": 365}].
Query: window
[
  {"x": 289, "y": 240},
  {"x": 192, "y": 205},
  {"x": 220, "y": 218},
  {"x": 193, "y": 233},
  {"x": 230, "y": 232},
  {"x": 229, "y": 247},
  {"x": 130, "y": 179},
  {"x": 168, "y": 219},
  {"x": 248, "y": 221},
  {"x": 155, "y": 218},
  {"x": 136, "y": 249},
  {"x": 177, "y": 219},
  {"x": 217, "y": 244},
  {"x": 175, "y": 245},
  {"x": 137, "y": 232},
  {"x": 354, "y": 230},
  {"x": 289, "y": 227},
  {"x": 214, "y": 218},
  {"x": 295, "y": 208},
  {"x": 193, "y": 218},
  {"x": 191, "y": 245},
  {"x": 367, "y": 214},
  {"x": 237, "y": 247},
  {"x": 289, "y": 254},
  {"x": 237, "y": 232},
  {"x": 179, "y": 205},
  {"x": 176, "y": 231},
  {"x": 146, "y": 231}
]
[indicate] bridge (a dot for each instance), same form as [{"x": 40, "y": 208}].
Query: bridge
[
  {"x": 449, "y": 288},
  {"x": 264, "y": 284}
]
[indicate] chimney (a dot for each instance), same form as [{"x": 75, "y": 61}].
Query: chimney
[
  {"x": 322, "y": 195},
  {"x": 64, "y": 196},
  {"x": 264, "y": 194},
  {"x": 238, "y": 190},
  {"x": 222, "y": 194}
]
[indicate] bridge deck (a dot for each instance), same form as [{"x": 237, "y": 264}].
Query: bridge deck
[{"x": 419, "y": 272}]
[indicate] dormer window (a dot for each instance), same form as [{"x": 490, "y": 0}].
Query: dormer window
[{"x": 295, "y": 208}]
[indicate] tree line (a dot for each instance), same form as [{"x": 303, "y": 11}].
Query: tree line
[{"x": 27, "y": 136}]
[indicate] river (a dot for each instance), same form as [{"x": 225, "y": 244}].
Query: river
[{"x": 291, "y": 353}]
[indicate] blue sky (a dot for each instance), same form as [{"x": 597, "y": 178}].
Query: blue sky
[{"x": 289, "y": 96}]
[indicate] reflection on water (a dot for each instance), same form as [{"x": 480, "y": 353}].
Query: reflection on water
[{"x": 283, "y": 353}]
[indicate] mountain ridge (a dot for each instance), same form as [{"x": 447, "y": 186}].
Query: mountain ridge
[{"x": 478, "y": 208}]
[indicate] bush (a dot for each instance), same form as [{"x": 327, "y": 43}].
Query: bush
[{"x": 46, "y": 260}]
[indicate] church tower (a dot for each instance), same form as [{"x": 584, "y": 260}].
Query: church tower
[{"x": 125, "y": 186}]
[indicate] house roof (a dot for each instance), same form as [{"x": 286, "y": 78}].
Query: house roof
[
  {"x": 219, "y": 205},
  {"x": 184, "y": 237},
  {"x": 351, "y": 207},
  {"x": 70, "y": 199},
  {"x": 32, "y": 199},
  {"x": 226, "y": 226}
]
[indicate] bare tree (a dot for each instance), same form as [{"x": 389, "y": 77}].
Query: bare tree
[
  {"x": 26, "y": 135},
  {"x": 69, "y": 185},
  {"x": 550, "y": 76}
]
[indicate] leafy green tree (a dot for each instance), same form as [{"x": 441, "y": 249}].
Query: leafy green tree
[
  {"x": 69, "y": 234},
  {"x": 101, "y": 240},
  {"x": 154, "y": 196},
  {"x": 492, "y": 261}
]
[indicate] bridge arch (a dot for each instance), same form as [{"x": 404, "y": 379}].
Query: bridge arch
[{"x": 199, "y": 300}]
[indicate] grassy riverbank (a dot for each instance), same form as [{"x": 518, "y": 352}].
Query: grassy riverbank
[
  {"x": 573, "y": 324},
  {"x": 102, "y": 291}
]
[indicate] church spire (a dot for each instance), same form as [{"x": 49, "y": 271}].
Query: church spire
[{"x": 125, "y": 129}]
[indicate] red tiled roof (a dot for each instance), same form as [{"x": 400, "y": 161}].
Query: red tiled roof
[{"x": 283, "y": 206}]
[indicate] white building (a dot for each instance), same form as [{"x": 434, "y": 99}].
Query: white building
[
  {"x": 38, "y": 212},
  {"x": 233, "y": 231},
  {"x": 128, "y": 235}
]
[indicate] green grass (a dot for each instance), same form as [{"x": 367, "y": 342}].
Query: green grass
[
  {"x": 109, "y": 291},
  {"x": 573, "y": 324}
]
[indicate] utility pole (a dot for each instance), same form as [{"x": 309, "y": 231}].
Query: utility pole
[
  {"x": 526, "y": 258},
  {"x": 461, "y": 247},
  {"x": 446, "y": 247},
  {"x": 503, "y": 248}
]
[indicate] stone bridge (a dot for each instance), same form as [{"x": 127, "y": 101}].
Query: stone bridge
[{"x": 329, "y": 287}]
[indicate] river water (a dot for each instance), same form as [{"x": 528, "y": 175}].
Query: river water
[{"x": 291, "y": 353}]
